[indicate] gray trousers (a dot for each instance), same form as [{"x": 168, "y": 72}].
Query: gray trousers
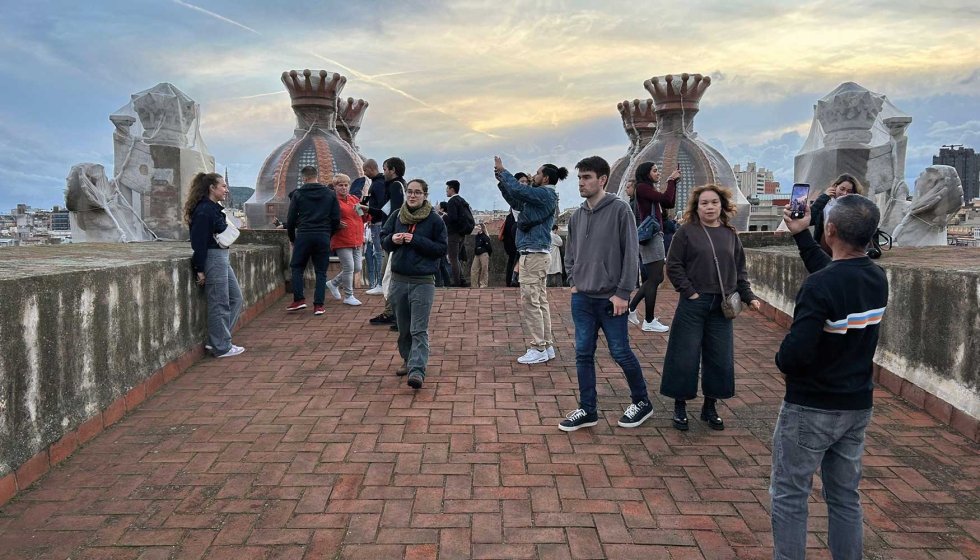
[
  {"x": 413, "y": 304},
  {"x": 224, "y": 300},
  {"x": 350, "y": 262}
]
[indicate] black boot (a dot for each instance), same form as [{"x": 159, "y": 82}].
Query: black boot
[
  {"x": 680, "y": 415},
  {"x": 710, "y": 415}
]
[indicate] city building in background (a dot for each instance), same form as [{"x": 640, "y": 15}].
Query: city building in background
[
  {"x": 753, "y": 180},
  {"x": 967, "y": 164},
  {"x": 766, "y": 211},
  {"x": 25, "y": 226}
]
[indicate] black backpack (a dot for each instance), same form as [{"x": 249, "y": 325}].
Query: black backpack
[{"x": 466, "y": 221}]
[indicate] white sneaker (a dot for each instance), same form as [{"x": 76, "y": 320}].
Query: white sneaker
[
  {"x": 352, "y": 301},
  {"x": 551, "y": 352},
  {"x": 634, "y": 318},
  {"x": 334, "y": 290},
  {"x": 534, "y": 356},
  {"x": 235, "y": 350},
  {"x": 375, "y": 291},
  {"x": 654, "y": 326}
]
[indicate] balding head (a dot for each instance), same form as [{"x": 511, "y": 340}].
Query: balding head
[{"x": 370, "y": 168}]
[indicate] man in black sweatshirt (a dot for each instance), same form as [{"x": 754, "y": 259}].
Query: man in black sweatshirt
[
  {"x": 314, "y": 214},
  {"x": 827, "y": 360}
]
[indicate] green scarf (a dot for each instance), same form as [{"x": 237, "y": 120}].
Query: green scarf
[{"x": 411, "y": 217}]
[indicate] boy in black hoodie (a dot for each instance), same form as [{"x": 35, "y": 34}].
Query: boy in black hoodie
[
  {"x": 314, "y": 214},
  {"x": 827, "y": 360}
]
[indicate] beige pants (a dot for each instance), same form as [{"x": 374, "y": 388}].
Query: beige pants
[
  {"x": 534, "y": 299},
  {"x": 480, "y": 271}
]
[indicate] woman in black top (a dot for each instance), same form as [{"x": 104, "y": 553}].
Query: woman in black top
[
  {"x": 509, "y": 238},
  {"x": 480, "y": 269},
  {"x": 416, "y": 239},
  {"x": 702, "y": 337},
  {"x": 205, "y": 216}
]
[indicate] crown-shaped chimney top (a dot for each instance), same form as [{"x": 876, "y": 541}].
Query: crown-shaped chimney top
[
  {"x": 639, "y": 118},
  {"x": 671, "y": 94},
  {"x": 320, "y": 89},
  {"x": 352, "y": 111}
]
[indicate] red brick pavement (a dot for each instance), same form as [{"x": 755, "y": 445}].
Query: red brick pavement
[{"x": 308, "y": 446}]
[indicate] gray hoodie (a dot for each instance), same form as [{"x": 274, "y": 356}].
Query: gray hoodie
[{"x": 602, "y": 252}]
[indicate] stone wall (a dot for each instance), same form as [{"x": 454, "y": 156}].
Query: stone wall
[
  {"x": 85, "y": 325},
  {"x": 930, "y": 336}
]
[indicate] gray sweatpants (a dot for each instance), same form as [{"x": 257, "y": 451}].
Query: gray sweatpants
[
  {"x": 413, "y": 304},
  {"x": 350, "y": 262},
  {"x": 224, "y": 300}
]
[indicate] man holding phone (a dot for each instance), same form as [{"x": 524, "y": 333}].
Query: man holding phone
[
  {"x": 827, "y": 360},
  {"x": 601, "y": 259}
]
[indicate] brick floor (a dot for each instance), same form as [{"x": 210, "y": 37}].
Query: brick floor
[{"x": 309, "y": 446}]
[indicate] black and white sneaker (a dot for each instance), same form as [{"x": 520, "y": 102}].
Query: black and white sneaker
[
  {"x": 636, "y": 414},
  {"x": 578, "y": 419}
]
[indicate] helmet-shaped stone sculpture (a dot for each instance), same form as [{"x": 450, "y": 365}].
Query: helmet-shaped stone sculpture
[
  {"x": 676, "y": 101},
  {"x": 640, "y": 124},
  {"x": 316, "y": 142}
]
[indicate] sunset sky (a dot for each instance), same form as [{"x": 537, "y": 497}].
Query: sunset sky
[{"x": 450, "y": 84}]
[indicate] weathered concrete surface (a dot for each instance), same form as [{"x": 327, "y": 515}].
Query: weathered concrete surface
[
  {"x": 931, "y": 332},
  {"x": 82, "y": 324}
]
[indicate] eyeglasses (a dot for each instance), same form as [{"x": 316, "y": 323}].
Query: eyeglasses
[{"x": 415, "y": 193}]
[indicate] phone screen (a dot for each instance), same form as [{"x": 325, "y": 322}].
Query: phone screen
[{"x": 798, "y": 202}]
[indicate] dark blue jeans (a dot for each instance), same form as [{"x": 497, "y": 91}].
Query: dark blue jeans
[
  {"x": 700, "y": 338},
  {"x": 590, "y": 315},
  {"x": 307, "y": 247}
]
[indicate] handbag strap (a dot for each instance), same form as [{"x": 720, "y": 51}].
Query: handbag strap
[{"x": 721, "y": 283}]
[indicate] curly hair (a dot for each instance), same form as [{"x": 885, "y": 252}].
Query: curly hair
[
  {"x": 200, "y": 189},
  {"x": 727, "y": 207}
]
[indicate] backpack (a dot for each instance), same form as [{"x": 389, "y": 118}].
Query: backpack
[
  {"x": 880, "y": 238},
  {"x": 466, "y": 221}
]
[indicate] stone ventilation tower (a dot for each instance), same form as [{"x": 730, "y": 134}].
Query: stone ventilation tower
[
  {"x": 640, "y": 124},
  {"x": 316, "y": 141},
  {"x": 350, "y": 113},
  {"x": 676, "y": 101}
]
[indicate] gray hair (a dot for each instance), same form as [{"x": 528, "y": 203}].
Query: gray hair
[{"x": 855, "y": 220}]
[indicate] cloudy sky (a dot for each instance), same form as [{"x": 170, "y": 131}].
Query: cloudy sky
[{"x": 453, "y": 83}]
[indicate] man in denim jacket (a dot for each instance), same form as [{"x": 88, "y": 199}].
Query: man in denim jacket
[{"x": 537, "y": 205}]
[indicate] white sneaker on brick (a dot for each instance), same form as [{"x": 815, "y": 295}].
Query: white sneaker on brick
[
  {"x": 375, "y": 291},
  {"x": 634, "y": 318},
  {"x": 352, "y": 301},
  {"x": 654, "y": 326},
  {"x": 235, "y": 350},
  {"x": 334, "y": 290},
  {"x": 551, "y": 352},
  {"x": 534, "y": 356}
]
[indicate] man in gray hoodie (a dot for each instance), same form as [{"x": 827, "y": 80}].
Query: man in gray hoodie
[{"x": 601, "y": 258}]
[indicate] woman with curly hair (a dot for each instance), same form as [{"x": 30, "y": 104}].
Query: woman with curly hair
[
  {"x": 205, "y": 216},
  {"x": 844, "y": 185},
  {"x": 702, "y": 337}
]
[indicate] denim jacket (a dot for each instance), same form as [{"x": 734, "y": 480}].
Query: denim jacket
[{"x": 534, "y": 203}]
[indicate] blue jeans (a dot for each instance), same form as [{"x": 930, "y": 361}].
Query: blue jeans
[
  {"x": 700, "y": 338},
  {"x": 307, "y": 247},
  {"x": 805, "y": 439},
  {"x": 589, "y": 315},
  {"x": 224, "y": 300},
  {"x": 373, "y": 256}
]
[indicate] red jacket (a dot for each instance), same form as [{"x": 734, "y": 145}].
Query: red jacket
[
  {"x": 353, "y": 234},
  {"x": 651, "y": 201}
]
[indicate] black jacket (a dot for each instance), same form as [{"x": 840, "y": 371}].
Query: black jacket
[
  {"x": 313, "y": 208},
  {"x": 816, "y": 215},
  {"x": 827, "y": 355},
  {"x": 396, "y": 193},
  {"x": 207, "y": 219},
  {"x": 423, "y": 255},
  {"x": 455, "y": 207},
  {"x": 376, "y": 198},
  {"x": 483, "y": 245},
  {"x": 510, "y": 235}
]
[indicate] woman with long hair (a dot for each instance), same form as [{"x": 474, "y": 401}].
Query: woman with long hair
[
  {"x": 347, "y": 241},
  {"x": 651, "y": 202},
  {"x": 702, "y": 337},
  {"x": 843, "y": 185},
  {"x": 482, "y": 249},
  {"x": 416, "y": 239},
  {"x": 205, "y": 216}
]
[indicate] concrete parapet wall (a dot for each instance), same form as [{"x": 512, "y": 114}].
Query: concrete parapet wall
[
  {"x": 930, "y": 336},
  {"x": 84, "y": 326}
]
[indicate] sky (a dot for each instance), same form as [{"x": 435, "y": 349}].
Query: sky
[{"x": 451, "y": 84}]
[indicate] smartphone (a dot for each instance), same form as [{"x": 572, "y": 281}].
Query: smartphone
[{"x": 799, "y": 200}]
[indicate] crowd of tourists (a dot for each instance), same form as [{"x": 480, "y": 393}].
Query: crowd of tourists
[{"x": 616, "y": 255}]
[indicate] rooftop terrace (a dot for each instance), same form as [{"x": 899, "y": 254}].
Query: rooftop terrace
[{"x": 308, "y": 446}]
